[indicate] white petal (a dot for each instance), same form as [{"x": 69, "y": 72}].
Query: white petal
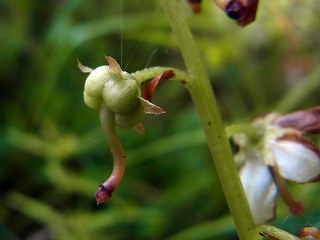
[
  {"x": 260, "y": 190},
  {"x": 295, "y": 161}
]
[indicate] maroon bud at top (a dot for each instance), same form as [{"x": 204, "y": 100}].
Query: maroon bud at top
[{"x": 234, "y": 10}]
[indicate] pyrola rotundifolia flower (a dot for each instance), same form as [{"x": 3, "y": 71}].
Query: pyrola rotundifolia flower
[
  {"x": 119, "y": 91},
  {"x": 281, "y": 154},
  {"x": 117, "y": 95}
]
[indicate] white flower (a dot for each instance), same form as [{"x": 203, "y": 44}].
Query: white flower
[{"x": 282, "y": 153}]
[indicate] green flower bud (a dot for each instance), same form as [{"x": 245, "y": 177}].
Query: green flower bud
[
  {"x": 121, "y": 96},
  {"x": 94, "y": 85},
  {"x": 130, "y": 119},
  {"x": 117, "y": 89},
  {"x": 92, "y": 102},
  {"x": 120, "y": 92}
]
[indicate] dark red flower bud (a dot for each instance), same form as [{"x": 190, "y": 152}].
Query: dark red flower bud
[
  {"x": 235, "y": 10},
  {"x": 243, "y": 11}
]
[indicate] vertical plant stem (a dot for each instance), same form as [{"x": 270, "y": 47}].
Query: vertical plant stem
[{"x": 204, "y": 100}]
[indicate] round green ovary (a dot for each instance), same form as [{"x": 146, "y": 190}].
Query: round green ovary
[
  {"x": 121, "y": 96},
  {"x": 130, "y": 119},
  {"x": 92, "y": 102},
  {"x": 96, "y": 80}
]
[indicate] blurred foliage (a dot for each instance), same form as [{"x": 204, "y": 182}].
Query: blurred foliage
[{"x": 52, "y": 151}]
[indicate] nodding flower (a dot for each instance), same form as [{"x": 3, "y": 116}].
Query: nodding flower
[
  {"x": 121, "y": 102},
  {"x": 281, "y": 154},
  {"x": 243, "y": 11},
  {"x": 119, "y": 91}
]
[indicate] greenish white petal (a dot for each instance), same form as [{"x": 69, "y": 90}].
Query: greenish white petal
[
  {"x": 260, "y": 190},
  {"x": 295, "y": 161}
]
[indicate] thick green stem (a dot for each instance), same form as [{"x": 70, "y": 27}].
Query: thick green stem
[{"x": 204, "y": 100}]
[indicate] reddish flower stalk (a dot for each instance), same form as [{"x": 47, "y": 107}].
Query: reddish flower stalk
[
  {"x": 296, "y": 208},
  {"x": 107, "y": 122}
]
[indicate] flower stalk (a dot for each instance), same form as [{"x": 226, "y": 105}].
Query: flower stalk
[
  {"x": 122, "y": 102},
  {"x": 108, "y": 127},
  {"x": 296, "y": 208},
  {"x": 204, "y": 100}
]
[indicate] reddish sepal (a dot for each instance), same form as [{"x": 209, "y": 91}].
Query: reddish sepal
[{"x": 150, "y": 86}]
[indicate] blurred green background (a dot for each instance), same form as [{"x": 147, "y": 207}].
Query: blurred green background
[{"x": 53, "y": 154}]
